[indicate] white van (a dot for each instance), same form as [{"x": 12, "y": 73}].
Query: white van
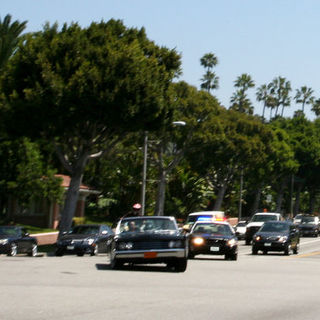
[{"x": 203, "y": 216}]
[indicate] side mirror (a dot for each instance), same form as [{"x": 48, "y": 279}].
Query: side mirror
[{"x": 27, "y": 234}]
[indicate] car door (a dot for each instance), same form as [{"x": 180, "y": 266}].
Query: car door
[{"x": 294, "y": 236}]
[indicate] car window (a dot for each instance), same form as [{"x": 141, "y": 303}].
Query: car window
[
  {"x": 308, "y": 219},
  {"x": 85, "y": 230},
  {"x": 263, "y": 218},
  {"x": 147, "y": 225},
  {"x": 275, "y": 227},
  {"x": 10, "y": 231},
  {"x": 212, "y": 228}
]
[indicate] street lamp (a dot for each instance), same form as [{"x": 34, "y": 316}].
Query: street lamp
[{"x": 144, "y": 170}]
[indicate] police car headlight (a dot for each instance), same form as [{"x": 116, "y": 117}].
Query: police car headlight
[
  {"x": 198, "y": 241},
  {"x": 231, "y": 242}
]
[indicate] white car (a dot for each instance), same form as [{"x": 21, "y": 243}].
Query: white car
[{"x": 240, "y": 229}]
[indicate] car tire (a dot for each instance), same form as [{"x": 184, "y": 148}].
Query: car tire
[
  {"x": 13, "y": 250},
  {"x": 287, "y": 250},
  {"x": 254, "y": 251},
  {"x": 80, "y": 253},
  {"x": 296, "y": 249},
  {"x": 95, "y": 251},
  {"x": 34, "y": 250},
  {"x": 265, "y": 252},
  {"x": 59, "y": 252},
  {"x": 190, "y": 255},
  {"x": 181, "y": 265},
  {"x": 234, "y": 257}
]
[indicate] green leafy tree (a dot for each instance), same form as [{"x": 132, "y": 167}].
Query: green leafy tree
[
  {"x": 9, "y": 37},
  {"x": 85, "y": 89},
  {"x": 210, "y": 81},
  {"x": 239, "y": 100},
  {"x": 304, "y": 96}
]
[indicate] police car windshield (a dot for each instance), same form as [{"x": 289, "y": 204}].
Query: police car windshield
[{"x": 213, "y": 228}]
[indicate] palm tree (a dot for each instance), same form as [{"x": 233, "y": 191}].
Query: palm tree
[
  {"x": 210, "y": 80},
  {"x": 263, "y": 94},
  {"x": 9, "y": 38},
  {"x": 304, "y": 96},
  {"x": 239, "y": 99}
]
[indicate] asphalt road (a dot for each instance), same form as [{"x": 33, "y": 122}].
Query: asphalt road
[{"x": 258, "y": 287}]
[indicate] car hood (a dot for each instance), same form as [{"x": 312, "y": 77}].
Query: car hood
[
  {"x": 212, "y": 236},
  {"x": 255, "y": 224},
  {"x": 77, "y": 236},
  {"x": 272, "y": 234},
  {"x": 145, "y": 236}
]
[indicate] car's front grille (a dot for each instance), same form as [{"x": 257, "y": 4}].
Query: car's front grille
[
  {"x": 150, "y": 245},
  {"x": 215, "y": 242}
]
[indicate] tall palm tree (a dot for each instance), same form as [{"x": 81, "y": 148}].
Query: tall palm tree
[
  {"x": 304, "y": 96},
  {"x": 239, "y": 99},
  {"x": 280, "y": 89},
  {"x": 210, "y": 80},
  {"x": 9, "y": 37},
  {"x": 263, "y": 94}
]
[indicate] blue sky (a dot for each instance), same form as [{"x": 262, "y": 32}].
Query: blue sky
[{"x": 264, "y": 38}]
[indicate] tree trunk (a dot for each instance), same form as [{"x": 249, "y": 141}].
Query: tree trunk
[
  {"x": 280, "y": 195},
  {"x": 71, "y": 200},
  {"x": 220, "y": 196},
  {"x": 297, "y": 202},
  {"x": 161, "y": 193},
  {"x": 312, "y": 201},
  {"x": 256, "y": 201}
]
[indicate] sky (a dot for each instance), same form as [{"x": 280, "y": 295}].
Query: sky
[{"x": 263, "y": 38}]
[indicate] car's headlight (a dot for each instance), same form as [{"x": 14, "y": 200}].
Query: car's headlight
[
  {"x": 3, "y": 241},
  {"x": 125, "y": 245},
  {"x": 89, "y": 241},
  {"x": 175, "y": 244},
  {"x": 231, "y": 242},
  {"x": 198, "y": 241},
  {"x": 257, "y": 238},
  {"x": 283, "y": 239}
]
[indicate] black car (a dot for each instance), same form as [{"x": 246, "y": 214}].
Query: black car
[
  {"x": 309, "y": 226},
  {"x": 149, "y": 239},
  {"x": 276, "y": 236},
  {"x": 85, "y": 238},
  {"x": 14, "y": 240},
  {"x": 214, "y": 238}
]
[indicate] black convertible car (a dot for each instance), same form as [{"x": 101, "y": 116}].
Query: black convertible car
[
  {"x": 85, "y": 238},
  {"x": 14, "y": 240},
  {"x": 276, "y": 236},
  {"x": 214, "y": 238},
  {"x": 146, "y": 239}
]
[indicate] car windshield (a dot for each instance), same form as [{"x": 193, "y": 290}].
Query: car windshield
[
  {"x": 263, "y": 218},
  {"x": 10, "y": 231},
  {"x": 275, "y": 227},
  {"x": 213, "y": 228},
  {"x": 147, "y": 225},
  {"x": 85, "y": 230},
  {"x": 308, "y": 219}
]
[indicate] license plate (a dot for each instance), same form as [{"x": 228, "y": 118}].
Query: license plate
[
  {"x": 267, "y": 244},
  {"x": 150, "y": 255},
  {"x": 214, "y": 249},
  {"x": 70, "y": 247}
]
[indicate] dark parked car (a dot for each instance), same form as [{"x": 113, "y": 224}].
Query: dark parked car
[
  {"x": 15, "y": 240},
  {"x": 85, "y": 238},
  {"x": 146, "y": 239},
  {"x": 276, "y": 236},
  {"x": 216, "y": 238},
  {"x": 309, "y": 226}
]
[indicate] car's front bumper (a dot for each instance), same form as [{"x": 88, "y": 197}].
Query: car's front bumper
[
  {"x": 269, "y": 246},
  {"x": 76, "y": 248},
  {"x": 148, "y": 256},
  {"x": 213, "y": 250}
]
